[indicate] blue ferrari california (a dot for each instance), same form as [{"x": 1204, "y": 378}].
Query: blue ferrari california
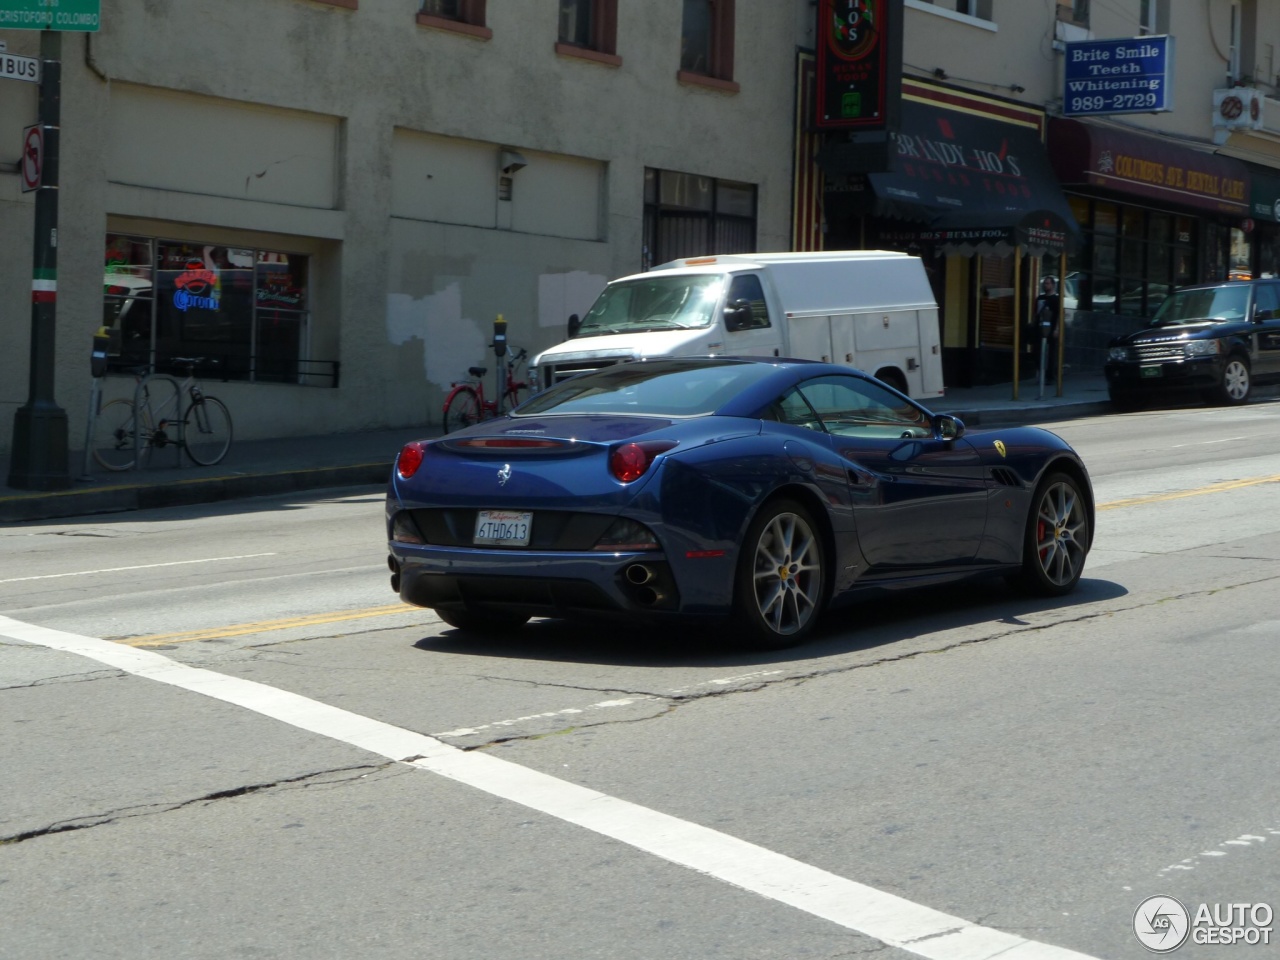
[{"x": 758, "y": 492}]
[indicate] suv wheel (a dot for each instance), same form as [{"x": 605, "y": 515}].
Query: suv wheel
[{"x": 1236, "y": 383}]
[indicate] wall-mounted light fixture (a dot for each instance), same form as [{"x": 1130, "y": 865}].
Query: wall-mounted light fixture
[{"x": 510, "y": 161}]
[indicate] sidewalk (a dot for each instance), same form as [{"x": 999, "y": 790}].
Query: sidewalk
[{"x": 262, "y": 467}]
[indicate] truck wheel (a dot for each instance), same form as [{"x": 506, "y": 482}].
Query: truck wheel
[{"x": 893, "y": 378}]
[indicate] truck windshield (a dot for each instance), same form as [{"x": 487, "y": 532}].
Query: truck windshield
[
  {"x": 654, "y": 303},
  {"x": 1203, "y": 304}
]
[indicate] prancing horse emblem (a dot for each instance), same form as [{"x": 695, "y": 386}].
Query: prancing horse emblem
[
  {"x": 505, "y": 474},
  {"x": 1000, "y": 447}
]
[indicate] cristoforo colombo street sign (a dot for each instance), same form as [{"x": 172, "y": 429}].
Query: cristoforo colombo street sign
[{"x": 50, "y": 14}]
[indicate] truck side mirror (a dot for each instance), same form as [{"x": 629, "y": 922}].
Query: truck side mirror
[
  {"x": 575, "y": 324},
  {"x": 737, "y": 315}
]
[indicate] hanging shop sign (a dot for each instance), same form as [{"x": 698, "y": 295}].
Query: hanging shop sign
[
  {"x": 1118, "y": 76},
  {"x": 859, "y": 63}
]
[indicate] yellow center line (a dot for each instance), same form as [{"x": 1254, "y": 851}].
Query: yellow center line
[
  {"x": 263, "y": 626},
  {"x": 1198, "y": 491},
  {"x": 339, "y": 616}
]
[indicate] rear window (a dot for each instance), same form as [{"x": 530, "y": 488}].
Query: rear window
[{"x": 663, "y": 388}]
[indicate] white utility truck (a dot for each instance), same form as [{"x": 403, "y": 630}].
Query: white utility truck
[{"x": 870, "y": 309}]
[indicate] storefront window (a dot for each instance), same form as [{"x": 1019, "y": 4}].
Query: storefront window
[
  {"x": 1131, "y": 257},
  {"x": 686, "y": 215},
  {"x": 1269, "y": 252},
  {"x": 244, "y": 310}
]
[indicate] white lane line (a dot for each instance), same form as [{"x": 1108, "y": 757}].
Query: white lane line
[
  {"x": 1203, "y": 443},
  {"x": 892, "y": 920},
  {"x": 141, "y": 566}
]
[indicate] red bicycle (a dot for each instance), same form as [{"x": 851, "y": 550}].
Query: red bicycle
[{"x": 466, "y": 404}]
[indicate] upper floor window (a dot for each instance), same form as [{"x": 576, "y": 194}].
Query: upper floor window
[
  {"x": 1074, "y": 11},
  {"x": 589, "y": 25},
  {"x": 1153, "y": 17},
  {"x": 706, "y": 39},
  {"x": 978, "y": 9},
  {"x": 467, "y": 14}
]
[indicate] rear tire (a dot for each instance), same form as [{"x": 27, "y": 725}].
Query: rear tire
[
  {"x": 462, "y": 409},
  {"x": 485, "y": 623},
  {"x": 780, "y": 588},
  {"x": 207, "y": 431},
  {"x": 113, "y": 431},
  {"x": 1056, "y": 539}
]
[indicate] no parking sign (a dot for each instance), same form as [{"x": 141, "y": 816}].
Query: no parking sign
[{"x": 32, "y": 158}]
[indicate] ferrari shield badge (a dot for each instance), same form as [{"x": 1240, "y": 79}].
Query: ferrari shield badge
[{"x": 1000, "y": 447}]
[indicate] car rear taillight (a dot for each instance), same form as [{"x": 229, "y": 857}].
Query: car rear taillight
[
  {"x": 410, "y": 459},
  {"x": 630, "y": 461}
]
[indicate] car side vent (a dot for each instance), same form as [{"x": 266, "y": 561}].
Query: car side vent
[{"x": 1005, "y": 477}]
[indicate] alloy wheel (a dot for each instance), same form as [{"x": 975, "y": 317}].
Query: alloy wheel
[
  {"x": 1061, "y": 529},
  {"x": 1235, "y": 381},
  {"x": 787, "y": 576}
]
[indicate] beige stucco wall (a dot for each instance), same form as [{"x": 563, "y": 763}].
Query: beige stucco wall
[{"x": 276, "y": 122}]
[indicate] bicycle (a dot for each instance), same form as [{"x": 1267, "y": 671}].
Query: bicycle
[
  {"x": 204, "y": 430},
  {"x": 466, "y": 403}
]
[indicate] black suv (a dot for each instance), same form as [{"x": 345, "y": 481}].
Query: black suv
[{"x": 1217, "y": 338}]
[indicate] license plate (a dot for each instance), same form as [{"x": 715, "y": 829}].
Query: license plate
[
  {"x": 502, "y": 528},
  {"x": 1152, "y": 371}
]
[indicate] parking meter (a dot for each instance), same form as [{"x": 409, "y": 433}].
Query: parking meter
[
  {"x": 499, "y": 336},
  {"x": 106, "y": 344}
]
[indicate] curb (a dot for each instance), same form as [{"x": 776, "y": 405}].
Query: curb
[{"x": 146, "y": 496}]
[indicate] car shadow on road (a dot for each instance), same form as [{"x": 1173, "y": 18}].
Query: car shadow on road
[{"x": 869, "y": 624}]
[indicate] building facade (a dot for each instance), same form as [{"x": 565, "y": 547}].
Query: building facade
[
  {"x": 1147, "y": 200},
  {"x": 333, "y": 199}
]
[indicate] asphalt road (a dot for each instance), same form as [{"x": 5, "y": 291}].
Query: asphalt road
[{"x": 262, "y": 759}]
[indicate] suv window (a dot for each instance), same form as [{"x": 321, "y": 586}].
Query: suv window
[
  {"x": 1198, "y": 304},
  {"x": 1268, "y": 302}
]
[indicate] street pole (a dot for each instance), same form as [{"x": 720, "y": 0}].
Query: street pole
[{"x": 39, "y": 455}]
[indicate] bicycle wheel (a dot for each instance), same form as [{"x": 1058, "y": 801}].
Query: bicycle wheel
[
  {"x": 462, "y": 409},
  {"x": 207, "y": 431},
  {"x": 113, "y": 431}
]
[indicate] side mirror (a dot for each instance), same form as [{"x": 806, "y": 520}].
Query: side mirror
[
  {"x": 575, "y": 324},
  {"x": 947, "y": 427},
  {"x": 737, "y": 315}
]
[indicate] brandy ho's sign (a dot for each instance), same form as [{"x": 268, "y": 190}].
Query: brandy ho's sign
[{"x": 859, "y": 63}]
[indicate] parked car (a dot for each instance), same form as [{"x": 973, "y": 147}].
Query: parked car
[
  {"x": 1216, "y": 338},
  {"x": 760, "y": 491}
]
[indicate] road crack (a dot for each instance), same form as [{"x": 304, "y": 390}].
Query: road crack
[
  {"x": 321, "y": 778},
  {"x": 677, "y": 699}
]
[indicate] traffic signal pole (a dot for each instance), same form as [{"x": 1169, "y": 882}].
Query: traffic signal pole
[{"x": 39, "y": 459}]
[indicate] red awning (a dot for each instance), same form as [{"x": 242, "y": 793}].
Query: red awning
[{"x": 1147, "y": 166}]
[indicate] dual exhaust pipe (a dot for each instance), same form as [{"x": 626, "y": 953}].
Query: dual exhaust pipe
[{"x": 643, "y": 577}]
